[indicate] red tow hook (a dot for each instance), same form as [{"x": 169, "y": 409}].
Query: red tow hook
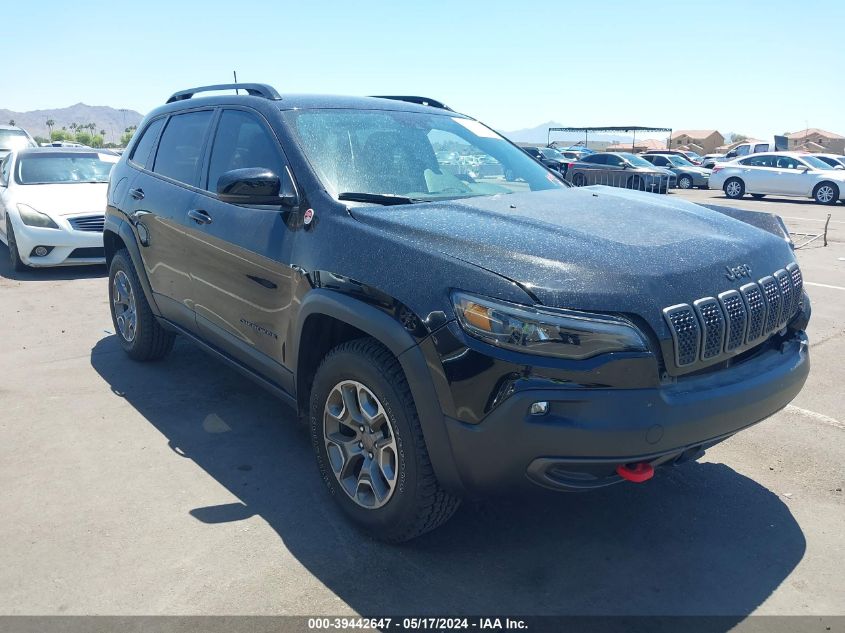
[{"x": 638, "y": 473}]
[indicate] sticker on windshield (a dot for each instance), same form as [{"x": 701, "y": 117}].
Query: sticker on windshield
[{"x": 476, "y": 128}]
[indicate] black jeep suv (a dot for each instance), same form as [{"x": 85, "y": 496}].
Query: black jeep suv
[{"x": 449, "y": 316}]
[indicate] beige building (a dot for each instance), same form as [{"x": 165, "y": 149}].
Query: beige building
[
  {"x": 701, "y": 141},
  {"x": 815, "y": 140}
]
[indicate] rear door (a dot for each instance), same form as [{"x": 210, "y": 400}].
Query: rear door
[
  {"x": 758, "y": 174},
  {"x": 159, "y": 198},
  {"x": 241, "y": 286}
]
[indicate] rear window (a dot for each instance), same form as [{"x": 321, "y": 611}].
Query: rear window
[
  {"x": 63, "y": 168},
  {"x": 180, "y": 149}
]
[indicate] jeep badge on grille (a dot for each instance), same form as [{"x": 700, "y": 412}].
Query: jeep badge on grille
[{"x": 736, "y": 272}]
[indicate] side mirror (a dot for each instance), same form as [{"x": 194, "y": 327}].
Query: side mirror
[
  {"x": 255, "y": 186},
  {"x": 840, "y": 167},
  {"x": 730, "y": 155}
]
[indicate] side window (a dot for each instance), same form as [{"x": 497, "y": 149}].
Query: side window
[
  {"x": 180, "y": 148},
  {"x": 787, "y": 162},
  {"x": 762, "y": 147},
  {"x": 141, "y": 153},
  {"x": 614, "y": 161},
  {"x": 660, "y": 161},
  {"x": 4, "y": 171},
  {"x": 242, "y": 141},
  {"x": 596, "y": 159},
  {"x": 742, "y": 150},
  {"x": 758, "y": 161}
]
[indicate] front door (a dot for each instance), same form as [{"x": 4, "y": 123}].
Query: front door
[{"x": 242, "y": 288}]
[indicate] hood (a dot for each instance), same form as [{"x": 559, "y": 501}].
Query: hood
[
  {"x": 64, "y": 199},
  {"x": 591, "y": 248}
]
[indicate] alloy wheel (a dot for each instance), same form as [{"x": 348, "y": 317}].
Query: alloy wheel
[
  {"x": 123, "y": 301},
  {"x": 733, "y": 189},
  {"x": 360, "y": 444},
  {"x": 824, "y": 194},
  {"x": 685, "y": 183}
]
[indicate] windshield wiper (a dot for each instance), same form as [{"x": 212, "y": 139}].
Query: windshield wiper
[{"x": 377, "y": 198}]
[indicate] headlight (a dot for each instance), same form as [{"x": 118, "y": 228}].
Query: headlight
[
  {"x": 31, "y": 217},
  {"x": 562, "y": 333}
]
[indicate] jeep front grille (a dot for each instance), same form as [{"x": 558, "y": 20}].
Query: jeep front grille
[{"x": 712, "y": 327}]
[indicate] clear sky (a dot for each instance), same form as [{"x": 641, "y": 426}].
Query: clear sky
[{"x": 759, "y": 67}]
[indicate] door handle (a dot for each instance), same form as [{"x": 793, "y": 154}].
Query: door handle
[
  {"x": 138, "y": 194},
  {"x": 199, "y": 216}
]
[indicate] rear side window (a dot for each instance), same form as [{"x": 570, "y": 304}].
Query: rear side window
[
  {"x": 758, "y": 161},
  {"x": 242, "y": 141},
  {"x": 141, "y": 153},
  {"x": 598, "y": 159},
  {"x": 764, "y": 147},
  {"x": 180, "y": 148}
]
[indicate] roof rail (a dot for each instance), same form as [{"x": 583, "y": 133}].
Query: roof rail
[
  {"x": 434, "y": 103},
  {"x": 256, "y": 90}
]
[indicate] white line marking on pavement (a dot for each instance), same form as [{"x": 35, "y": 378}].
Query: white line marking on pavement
[
  {"x": 792, "y": 217},
  {"x": 819, "y": 417},
  {"x": 813, "y": 283}
]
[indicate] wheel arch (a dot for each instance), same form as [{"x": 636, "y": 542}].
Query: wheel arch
[
  {"x": 326, "y": 319},
  {"x": 118, "y": 234}
]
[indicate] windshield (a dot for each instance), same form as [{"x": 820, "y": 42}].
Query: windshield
[
  {"x": 693, "y": 155},
  {"x": 48, "y": 169},
  {"x": 636, "y": 161},
  {"x": 816, "y": 163},
  {"x": 678, "y": 161},
  {"x": 548, "y": 152},
  {"x": 14, "y": 139},
  {"x": 413, "y": 155}
]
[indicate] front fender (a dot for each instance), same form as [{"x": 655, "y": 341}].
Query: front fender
[
  {"x": 119, "y": 230},
  {"x": 388, "y": 331}
]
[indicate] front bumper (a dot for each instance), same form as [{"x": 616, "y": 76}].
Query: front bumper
[
  {"x": 588, "y": 432},
  {"x": 69, "y": 246}
]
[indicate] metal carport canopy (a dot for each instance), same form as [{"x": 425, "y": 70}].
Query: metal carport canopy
[{"x": 613, "y": 128}]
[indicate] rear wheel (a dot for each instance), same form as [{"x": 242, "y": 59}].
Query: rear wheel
[
  {"x": 369, "y": 444},
  {"x": 826, "y": 193},
  {"x": 14, "y": 254},
  {"x": 636, "y": 183},
  {"x": 685, "y": 182},
  {"x": 140, "y": 335},
  {"x": 578, "y": 180},
  {"x": 734, "y": 188}
]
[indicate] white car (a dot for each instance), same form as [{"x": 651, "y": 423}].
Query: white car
[
  {"x": 52, "y": 205},
  {"x": 780, "y": 174},
  {"x": 834, "y": 160}
]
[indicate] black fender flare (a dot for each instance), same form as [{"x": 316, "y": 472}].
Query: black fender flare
[
  {"x": 122, "y": 229},
  {"x": 387, "y": 330}
]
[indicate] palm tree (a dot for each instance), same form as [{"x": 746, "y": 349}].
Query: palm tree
[
  {"x": 11, "y": 121},
  {"x": 50, "y": 124},
  {"x": 73, "y": 126},
  {"x": 103, "y": 134}
]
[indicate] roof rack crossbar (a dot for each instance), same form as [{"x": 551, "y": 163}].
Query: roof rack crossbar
[
  {"x": 256, "y": 90},
  {"x": 434, "y": 103}
]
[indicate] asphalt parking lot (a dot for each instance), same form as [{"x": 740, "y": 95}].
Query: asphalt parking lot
[{"x": 179, "y": 487}]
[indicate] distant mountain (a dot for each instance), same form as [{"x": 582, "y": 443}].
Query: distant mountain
[
  {"x": 539, "y": 134},
  {"x": 114, "y": 121}
]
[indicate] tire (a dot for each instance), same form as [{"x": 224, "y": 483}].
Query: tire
[
  {"x": 826, "y": 193},
  {"x": 685, "y": 182},
  {"x": 578, "y": 180},
  {"x": 14, "y": 255},
  {"x": 758, "y": 196},
  {"x": 364, "y": 373},
  {"x": 734, "y": 188},
  {"x": 139, "y": 333}
]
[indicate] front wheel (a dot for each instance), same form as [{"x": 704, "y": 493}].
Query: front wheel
[
  {"x": 734, "y": 188},
  {"x": 369, "y": 444},
  {"x": 826, "y": 193},
  {"x": 14, "y": 254},
  {"x": 140, "y": 335}
]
